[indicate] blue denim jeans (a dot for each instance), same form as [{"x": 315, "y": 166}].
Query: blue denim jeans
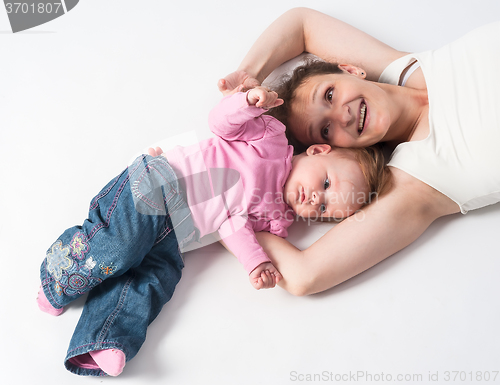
[{"x": 126, "y": 254}]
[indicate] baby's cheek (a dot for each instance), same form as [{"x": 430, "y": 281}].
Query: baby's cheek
[{"x": 355, "y": 202}]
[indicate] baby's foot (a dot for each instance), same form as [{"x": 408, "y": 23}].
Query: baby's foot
[
  {"x": 111, "y": 361},
  {"x": 44, "y": 304}
]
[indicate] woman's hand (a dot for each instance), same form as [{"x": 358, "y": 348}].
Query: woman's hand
[
  {"x": 265, "y": 276},
  {"x": 238, "y": 78},
  {"x": 263, "y": 97}
]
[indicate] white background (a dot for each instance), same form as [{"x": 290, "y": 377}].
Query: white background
[{"x": 79, "y": 96}]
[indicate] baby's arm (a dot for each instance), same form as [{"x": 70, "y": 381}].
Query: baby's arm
[
  {"x": 239, "y": 238},
  {"x": 238, "y": 116},
  {"x": 265, "y": 276}
]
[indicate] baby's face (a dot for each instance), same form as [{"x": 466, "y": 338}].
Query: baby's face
[{"x": 326, "y": 182}]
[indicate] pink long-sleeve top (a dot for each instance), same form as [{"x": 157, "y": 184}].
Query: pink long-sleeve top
[{"x": 234, "y": 182}]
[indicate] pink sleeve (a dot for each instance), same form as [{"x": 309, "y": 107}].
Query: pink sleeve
[
  {"x": 279, "y": 228},
  {"x": 234, "y": 119},
  {"x": 243, "y": 243}
]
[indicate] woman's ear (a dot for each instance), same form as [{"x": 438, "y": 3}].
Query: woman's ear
[
  {"x": 353, "y": 70},
  {"x": 316, "y": 149}
]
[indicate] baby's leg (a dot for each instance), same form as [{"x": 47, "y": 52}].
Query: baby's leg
[
  {"x": 45, "y": 305},
  {"x": 124, "y": 220},
  {"x": 113, "y": 324}
]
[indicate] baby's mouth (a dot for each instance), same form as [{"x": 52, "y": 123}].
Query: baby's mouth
[
  {"x": 362, "y": 115},
  {"x": 302, "y": 195}
]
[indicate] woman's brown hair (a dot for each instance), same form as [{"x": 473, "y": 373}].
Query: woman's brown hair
[{"x": 287, "y": 87}]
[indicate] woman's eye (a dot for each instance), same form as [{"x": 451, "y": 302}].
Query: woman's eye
[
  {"x": 322, "y": 208},
  {"x": 324, "y": 132},
  {"x": 329, "y": 94},
  {"x": 327, "y": 183}
]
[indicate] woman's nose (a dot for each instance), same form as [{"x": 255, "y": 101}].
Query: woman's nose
[{"x": 341, "y": 114}]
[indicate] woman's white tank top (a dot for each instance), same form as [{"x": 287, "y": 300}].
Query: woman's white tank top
[{"x": 461, "y": 156}]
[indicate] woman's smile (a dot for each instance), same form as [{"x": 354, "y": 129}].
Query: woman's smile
[
  {"x": 362, "y": 117},
  {"x": 353, "y": 113}
]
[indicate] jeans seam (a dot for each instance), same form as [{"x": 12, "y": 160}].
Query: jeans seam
[
  {"x": 94, "y": 202},
  {"x": 110, "y": 211},
  {"x": 114, "y": 203},
  {"x": 114, "y": 314},
  {"x": 96, "y": 343},
  {"x": 164, "y": 233},
  {"x": 175, "y": 206},
  {"x": 177, "y": 224}
]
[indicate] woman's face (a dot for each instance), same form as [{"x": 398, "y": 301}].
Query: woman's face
[{"x": 342, "y": 110}]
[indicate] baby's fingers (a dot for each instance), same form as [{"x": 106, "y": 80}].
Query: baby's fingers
[
  {"x": 157, "y": 151},
  {"x": 256, "y": 283},
  {"x": 268, "y": 279},
  {"x": 269, "y": 100}
]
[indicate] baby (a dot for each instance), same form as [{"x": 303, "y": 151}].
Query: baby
[{"x": 243, "y": 181}]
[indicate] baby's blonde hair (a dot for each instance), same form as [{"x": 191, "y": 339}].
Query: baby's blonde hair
[{"x": 377, "y": 174}]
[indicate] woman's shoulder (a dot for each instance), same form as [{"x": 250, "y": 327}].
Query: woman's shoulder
[
  {"x": 413, "y": 192},
  {"x": 404, "y": 70}
]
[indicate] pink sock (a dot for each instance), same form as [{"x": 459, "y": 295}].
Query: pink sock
[
  {"x": 111, "y": 361},
  {"x": 84, "y": 361},
  {"x": 44, "y": 304}
]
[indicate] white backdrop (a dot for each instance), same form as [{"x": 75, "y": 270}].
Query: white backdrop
[{"x": 79, "y": 96}]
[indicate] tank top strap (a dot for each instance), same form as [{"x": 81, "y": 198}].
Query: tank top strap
[{"x": 392, "y": 73}]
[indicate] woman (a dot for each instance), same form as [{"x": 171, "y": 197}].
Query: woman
[{"x": 446, "y": 112}]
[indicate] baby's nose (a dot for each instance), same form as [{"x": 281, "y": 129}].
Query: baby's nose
[{"x": 314, "y": 198}]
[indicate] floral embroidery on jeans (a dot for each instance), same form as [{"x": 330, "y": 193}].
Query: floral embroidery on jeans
[
  {"x": 79, "y": 245},
  {"x": 58, "y": 289},
  {"x": 107, "y": 270},
  {"x": 78, "y": 280},
  {"x": 57, "y": 260},
  {"x": 90, "y": 263}
]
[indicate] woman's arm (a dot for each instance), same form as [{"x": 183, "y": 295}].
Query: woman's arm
[
  {"x": 306, "y": 30},
  {"x": 361, "y": 241}
]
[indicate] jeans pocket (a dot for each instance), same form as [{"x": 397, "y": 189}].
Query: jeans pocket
[{"x": 153, "y": 182}]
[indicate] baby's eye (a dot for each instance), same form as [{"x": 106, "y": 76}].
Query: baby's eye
[
  {"x": 329, "y": 94},
  {"x": 327, "y": 183},
  {"x": 322, "y": 208},
  {"x": 324, "y": 131}
]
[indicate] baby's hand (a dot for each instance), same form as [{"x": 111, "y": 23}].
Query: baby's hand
[
  {"x": 155, "y": 151},
  {"x": 263, "y": 97},
  {"x": 265, "y": 276}
]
